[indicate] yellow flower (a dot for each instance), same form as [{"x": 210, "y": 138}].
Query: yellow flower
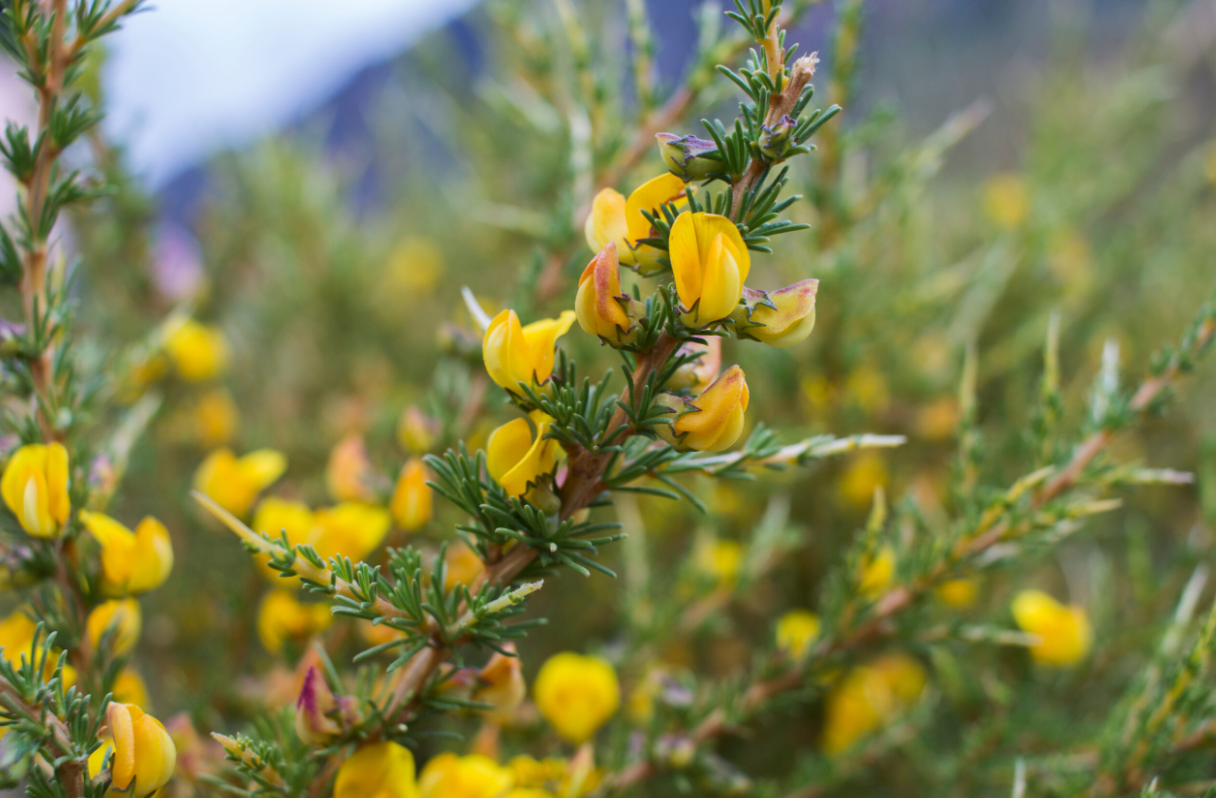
[
  {"x": 462, "y": 565},
  {"x": 142, "y": 754},
  {"x": 781, "y": 318},
  {"x": 379, "y": 770},
  {"x": 515, "y": 354},
  {"x": 131, "y": 562},
  {"x": 868, "y": 697},
  {"x": 234, "y": 483},
  {"x": 216, "y": 417},
  {"x": 877, "y": 572},
  {"x": 123, "y": 616},
  {"x": 281, "y": 618},
  {"x": 710, "y": 263},
  {"x": 576, "y": 695},
  {"x": 35, "y": 488},
  {"x": 276, "y": 516},
  {"x": 502, "y": 686},
  {"x": 600, "y": 305},
  {"x": 411, "y": 502},
  {"x": 198, "y": 351},
  {"x": 721, "y": 560},
  {"x": 352, "y": 529},
  {"x": 958, "y": 593},
  {"x": 1064, "y": 633},
  {"x": 129, "y": 688},
  {"x": 416, "y": 431},
  {"x": 17, "y": 638},
  {"x": 531, "y": 773},
  {"x": 620, "y": 221},
  {"x": 863, "y": 475},
  {"x": 516, "y": 457},
  {"x": 715, "y": 420},
  {"x": 473, "y": 776},
  {"x": 1006, "y": 200},
  {"x": 348, "y": 473},
  {"x": 796, "y": 630}
]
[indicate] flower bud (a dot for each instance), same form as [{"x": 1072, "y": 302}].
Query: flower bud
[
  {"x": 320, "y": 715},
  {"x": 198, "y": 351},
  {"x": 384, "y": 770},
  {"x": 411, "y": 502},
  {"x": 601, "y": 307},
  {"x": 233, "y": 483},
  {"x": 503, "y": 686},
  {"x": 282, "y": 618},
  {"x": 517, "y": 458},
  {"x": 621, "y": 221},
  {"x": 775, "y": 138},
  {"x": 711, "y": 422},
  {"x": 782, "y": 318},
  {"x": 710, "y": 263},
  {"x": 349, "y": 473},
  {"x": 1064, "y": 633},
  {"x": 576, "y": 694},
  {"x": 688, "y": 157},
  {"x": 123, "y": 616},
  {"x": 35, "y": 488},
  {"x": 141, "y": 753},
  {"x": 416, "y": 431},
  {"x": 796, "y": 630},
  {"x": 514, "y": 353},
  {"x": 131, "y": 562}
]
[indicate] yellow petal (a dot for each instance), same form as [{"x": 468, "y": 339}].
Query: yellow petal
[
  {"x": 122, "y": 730},
  {"x": 650, "y": 196},
  {"x": 606, "y": 222},
  {"x": 263, "y": 467},
  {"x": 541, "y": 339},
  {"x": 153, "y": 556}
]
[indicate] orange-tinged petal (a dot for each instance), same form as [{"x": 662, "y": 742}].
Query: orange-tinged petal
[
  {"x": 598, "y": 302},
  {"x": 718, "y": 420},
  {"x": 122, "y": 730}
]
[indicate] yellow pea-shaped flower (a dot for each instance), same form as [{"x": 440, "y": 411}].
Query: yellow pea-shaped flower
[
  {"x": 517, "y": 457},
  {"x": 198, "y": 351},
  {"x": 796, "y": 630},
  {"x": 35, "y": 488},
  {"x": 275, "y": 517},
  {"x": 714, "y": 419},
  {"x": 131, "y": 562},
  {"x": 710, "y": 263},
  {"x": 1064, "y": 632},
  {"x": 281, "y": 618},
  {"x": 502, "y": 686},
  {"x": 412, "y": 501},
  {"x": 778, "y": 318},
  {"x": 123, "y": 616},
  {"x": 380, "y": 770},
  {"x": 514, "y": 353},
  {"x": 352, "y": 529},
  {"x": 576, "y": 695},
  {"x": 472, "y": 776},
  {"x": 235, "y": 482},
  {"x": 601, "y": 307},
  {"x": 143, "y": 754},
  {"x": 618, "y": 220}
]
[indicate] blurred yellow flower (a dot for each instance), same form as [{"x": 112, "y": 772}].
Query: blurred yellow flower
[
  {"x": 618, "y": 220},
  {"x": 868, "y": 697},
  {"x": 720, "y": 560},
  {"x": 131, "y": 562},
  {"x": 514, "y": 353},
  {"x": 867, "y": 388},
  {"x": 352, "y": 529},
  {"x": 35, "y": 488},
  {"x": 416, "y": 431},
  {"x": 123, "y": 616},
  {"x": 142, "y": 755},
  {"x": 502, "y": 686},
  {"x": 865, "y": 473},
  {"x": 474, "y": 776},
  {"x": 1064, "y": 632},
  {"x": 462, "y": 564},
  {"x": 380, "y": 770},
  {"x": 199, "y": 352},
  {"x": 796, "y": 631},
  {"x": 129, "y": 688},
  {"x": 414, "y": 267},
  {"x": 281, "y": 617},
  {"x": 958, "y": 593},
  {"x": 1006, "y": 200},
  {"x": 234, "y": 483},
  {"x": 716, "y": 418},
  {"x": 517, "y": 457},
  {"x": 576, "y": 695},
  {"x": 710, "y": 263},
  {"x": 411, "y": 502},
  {"x": 527, "y": 772},
  {"x": 216, "y": 418},
  {"x": 877, "y": 572},
  {"x": 349, "y": 474},
  {"x": 17, "y": 638}
]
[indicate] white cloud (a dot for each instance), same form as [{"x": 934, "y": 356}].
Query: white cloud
[{"x": 190, "y": 76}]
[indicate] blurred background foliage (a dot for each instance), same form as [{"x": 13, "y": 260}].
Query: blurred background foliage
[{"x": 967, "y": 195}]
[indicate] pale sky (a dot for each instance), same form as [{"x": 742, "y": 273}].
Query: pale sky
[{"x": 190, "y": 76}]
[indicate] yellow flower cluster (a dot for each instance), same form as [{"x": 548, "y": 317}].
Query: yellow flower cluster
[{"x": 868, "y": 697}]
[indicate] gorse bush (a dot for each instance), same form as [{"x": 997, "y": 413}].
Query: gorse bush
[{"x": 781, "y": 626}]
